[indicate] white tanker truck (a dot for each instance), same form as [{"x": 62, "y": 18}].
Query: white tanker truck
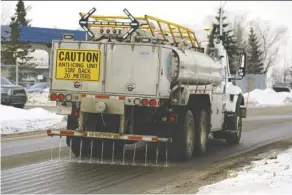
[{"x": 140, "y": 82}]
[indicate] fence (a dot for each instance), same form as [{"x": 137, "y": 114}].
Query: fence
[{"x": 258, "y": 82}]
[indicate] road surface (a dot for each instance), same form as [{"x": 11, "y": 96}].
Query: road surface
[{"x": 72, "y": 177}]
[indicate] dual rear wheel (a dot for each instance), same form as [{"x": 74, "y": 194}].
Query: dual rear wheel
[{"x": 190, "y": 136}]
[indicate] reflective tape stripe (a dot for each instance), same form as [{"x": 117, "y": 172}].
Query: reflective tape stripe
[
  {"x": 103, "y": 97},
  {"x": 66, "y": 132},
  {"x": 134, "y": 137}
]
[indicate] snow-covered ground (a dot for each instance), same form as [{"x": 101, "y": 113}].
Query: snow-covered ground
[
  {"x": 15, "y": 120},
  {"x": 39, "y": 99},
  {"x": 267, "y": 176},
  {"x": 268, "y": 97}
]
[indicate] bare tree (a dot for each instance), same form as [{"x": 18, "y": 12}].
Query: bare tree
[
  {"x": 271, "y": 39},
  {"x": 288, "y": 70},
  {"x": 3, "y": 19},
  {"x": 239, "y": 28},
  {"x": 277, "y": 75}
]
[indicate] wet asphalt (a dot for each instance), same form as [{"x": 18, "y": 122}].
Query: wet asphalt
[{"x": 67, "y": 176}]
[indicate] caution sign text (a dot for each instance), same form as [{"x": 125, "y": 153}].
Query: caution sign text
[{"x": 83, "y": 65}]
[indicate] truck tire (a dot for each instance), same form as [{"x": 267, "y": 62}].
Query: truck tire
[
  {"x": 234, "y": 124},
  {"x": 71, "y": 125},
  {"x": 183, "y": 138},
  {"x": 201, "y": 141},
  {"x": 72, "y": 122},
  {"x": 19, "y": 105}
]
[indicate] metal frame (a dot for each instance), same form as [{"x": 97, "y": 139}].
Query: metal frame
[
  {"x": 106, "y": 135},
  {"x": 176, "y": 30}
]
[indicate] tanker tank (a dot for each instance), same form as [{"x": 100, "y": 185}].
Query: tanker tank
[{"x": 198, "y": 68}]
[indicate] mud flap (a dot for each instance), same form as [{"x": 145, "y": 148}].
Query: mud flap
[{"x": 243, "y": 111}]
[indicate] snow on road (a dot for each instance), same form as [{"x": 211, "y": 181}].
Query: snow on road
[
  {"x": 15, "y": 120},
  {"x": 268, "y": 97},
  {"x": 267, "y": 176}
]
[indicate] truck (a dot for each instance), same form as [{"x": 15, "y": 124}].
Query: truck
[{"x": 144, "y": 79}]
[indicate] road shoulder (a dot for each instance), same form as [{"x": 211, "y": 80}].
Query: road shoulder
[{"x": 217, "y": 171}]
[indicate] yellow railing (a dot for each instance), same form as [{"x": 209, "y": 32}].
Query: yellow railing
[{"x": 176, "y": 31}]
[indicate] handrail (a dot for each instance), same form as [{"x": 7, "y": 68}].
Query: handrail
[{"x": 176, "y": 31}]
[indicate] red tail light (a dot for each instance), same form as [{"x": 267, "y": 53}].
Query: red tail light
[
  {"x": 108, "y": 31},
  {"x": 61, "y": 97},
  {"x": 144, "y": 102},
  {"x": 172, "y": 118},
  {"x": 152, "y": 102},
  {"x": 114, "y": 31},
  {"x": 101, "y": 30},
  {"x": 53, "y": 97}
]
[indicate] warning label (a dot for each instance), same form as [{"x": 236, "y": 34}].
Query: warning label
[{"x": 83, "y": 65}]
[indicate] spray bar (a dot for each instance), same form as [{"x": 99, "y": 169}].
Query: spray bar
[{"x": 105, "y": 135}]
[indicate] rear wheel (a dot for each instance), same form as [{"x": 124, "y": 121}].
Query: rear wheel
[
  {"x": 201, "y": 142},
  {"x": 72, "y": 122},
  {"x": 183, "y": 138}
]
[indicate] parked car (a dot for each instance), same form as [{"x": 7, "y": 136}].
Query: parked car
[
  {"x": 282, "y": 87},
  {"x": 12, "y": 94},
  {"x": 38, "y": 87}
]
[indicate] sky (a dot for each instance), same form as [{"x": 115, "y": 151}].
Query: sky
[{"x": 65, "y": 14}]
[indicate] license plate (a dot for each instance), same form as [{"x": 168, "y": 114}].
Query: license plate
[{"x": 64, "y": 109}]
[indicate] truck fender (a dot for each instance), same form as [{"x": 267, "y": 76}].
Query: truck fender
[{"x": 233, "y": 93}]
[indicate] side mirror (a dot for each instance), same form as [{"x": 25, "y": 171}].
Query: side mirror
[{"x": 242, "y": 62}]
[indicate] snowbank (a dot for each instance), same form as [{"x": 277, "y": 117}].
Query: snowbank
[
  {"x": 268, "y": 97},
  {"x": 39, "y": 99},
  {"x": 268, "y": 176},
  {"x": 15, "y": 120}
]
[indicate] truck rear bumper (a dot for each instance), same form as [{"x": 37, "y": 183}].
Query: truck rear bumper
[{"x": 105, "y": 135}]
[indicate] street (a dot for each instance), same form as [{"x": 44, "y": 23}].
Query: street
[{"x": 20, "y": 175}]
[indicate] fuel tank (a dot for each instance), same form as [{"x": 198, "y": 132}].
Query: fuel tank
[{"x": 197, "y": 68}]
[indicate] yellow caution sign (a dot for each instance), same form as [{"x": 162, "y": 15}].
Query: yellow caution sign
[{"x": 78, "y": 64}]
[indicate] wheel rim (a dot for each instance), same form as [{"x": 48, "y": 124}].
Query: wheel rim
[
  {"x": 203, "y": 135},
  {"x": 238, "y": 126},
  {"x": 189, "y": 137}
]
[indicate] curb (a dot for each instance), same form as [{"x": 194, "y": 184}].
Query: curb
[{"x": 15, "y": 136}]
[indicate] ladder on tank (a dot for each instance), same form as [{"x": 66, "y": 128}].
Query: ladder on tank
[{"x": 163, "y": 28}]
